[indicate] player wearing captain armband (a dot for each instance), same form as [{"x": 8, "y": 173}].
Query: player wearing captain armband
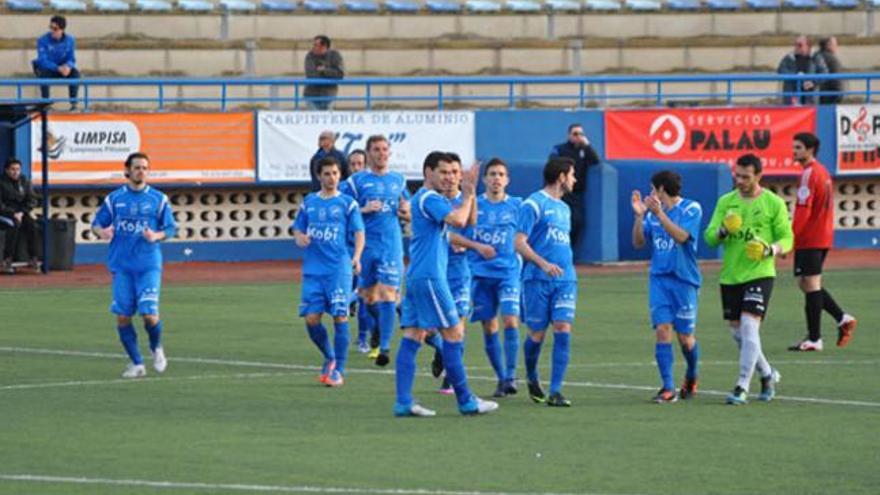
[
  {"x": 670, "y": 225},
  {"x": 325, "y": 222},
  {"x": 135, "y": 218},
  {"x": 751, "y": 225}
]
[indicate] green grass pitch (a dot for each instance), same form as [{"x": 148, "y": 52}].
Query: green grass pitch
[{"x": 240, "y": 410}]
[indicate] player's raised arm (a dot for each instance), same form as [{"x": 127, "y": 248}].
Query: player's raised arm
[
  {"x": 675, "y": 231},
  {"x": 485, "y": 250},
  {"x": 460, "y": 216},
  {"x": 638, "y": 229}
]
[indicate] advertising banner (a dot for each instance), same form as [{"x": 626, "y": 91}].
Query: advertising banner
[
  {"x": 858, "y": 139},
  {"x": 718, "y": 135},
  {"x": 183, "y": 147},
  {"x": 287, "y": 140}
]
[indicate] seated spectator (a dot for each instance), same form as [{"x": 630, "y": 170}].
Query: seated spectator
[
  {"x": 322, "y": 63},
  {"x": 16, "y": 201},
  {"x": 800, "y": 61},
  {"x": 327, "y": 147},
  {"x": 828, "y": 53},
  {"x": 56, "y": 57}
]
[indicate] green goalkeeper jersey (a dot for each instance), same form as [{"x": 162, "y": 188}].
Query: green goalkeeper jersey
[{"x": 764, "y": 217}]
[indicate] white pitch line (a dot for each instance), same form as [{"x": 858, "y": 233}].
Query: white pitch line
[
  {"x": 587, "y": 384},
  {"x": 257, "y": 488},
  {"x": 126, "y": 381}
]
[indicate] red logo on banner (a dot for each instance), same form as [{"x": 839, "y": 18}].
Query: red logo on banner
[{"x": 718, "y": 135}]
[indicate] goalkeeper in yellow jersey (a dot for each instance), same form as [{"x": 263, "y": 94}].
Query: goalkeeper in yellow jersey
[{"x": 751, "y": 224}]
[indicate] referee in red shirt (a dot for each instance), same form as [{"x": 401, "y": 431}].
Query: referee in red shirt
[{"x": 813, "y": 236}]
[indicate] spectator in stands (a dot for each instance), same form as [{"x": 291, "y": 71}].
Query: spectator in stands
[
  {"x": 357, "y": 160},
  {"x": 327, "y": 147},
  {"x": 828, "y": 54},
  {"x": 16, "y": 201},
  {"x": 56, "y": 57},
  {"x": 800, "y": 61},
  {"x": 577, "y": 148},
  {"x": 322, "y": 62}
]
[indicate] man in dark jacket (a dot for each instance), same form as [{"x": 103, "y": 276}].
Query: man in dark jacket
[
  {"x": 327, "y": 147},
  {"x": 322, "y": 63},
  {"x": 800, "y": 61},
  {"x": 56, "y": 57},
  {"x": 578, "y": 149},
  {"x": 16, "y": 201},
  {"x": 828, "y": 53}
]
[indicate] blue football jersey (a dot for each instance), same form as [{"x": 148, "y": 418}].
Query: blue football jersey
[
  {"x": 669, "y": 257},
  {"x": 547, "y": 223},
  {"x": 458, "y": 258},
  {"x": 429, "y": 244},
  {"x": 382, "y": 228},
  {"x": 496, "y": 226},
  {"x": 129, "y": 212},
  {"x": 328, "y": 222}
]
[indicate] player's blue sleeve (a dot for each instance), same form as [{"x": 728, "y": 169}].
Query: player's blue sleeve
[
  {"x": 646, "y": 227},
  {"x": 347, "y": 187},
  {"x": 690, "y": 220},
  {"x": 529, "y": 213},
  {"x": 301, "y": 222},
  {"x": 166, "y": 220},
  {"x": 435, "y": 207},
  {"x": 104, "y": 217},
  {"x": 355, "y": 219},
  {"x": 405, "y": 192}
]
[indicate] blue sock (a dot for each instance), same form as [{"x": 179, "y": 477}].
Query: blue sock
[
  {"x": 493, "y": 351},
  {"x": 365, "y": 321},
  {"x": 693, "y": 360},
  {"x": 665, "y": 358},
  {"x": 319, "y": 336},
  {"x": 435, "y": 341},
  {"x": 129, "y": 340},
  {"x": 532, "y": 351},
  {"x": 405, "y": 370},
  {"x": 511, "y": 351},
  {"x": 340, "y": 344},
  {"x": 455, "y": 373},
  {"x": 561, "y": 352},
  {"x": 155, "y": 334},
  {"x": 387, "y": 314}
]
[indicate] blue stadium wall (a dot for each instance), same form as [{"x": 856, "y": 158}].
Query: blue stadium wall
[{"x": 524, "y": 139}]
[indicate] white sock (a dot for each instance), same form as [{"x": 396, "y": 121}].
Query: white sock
[
  {"x": 750, "y": 353},
  {"x": 734, "y": 332},
  {"x": 763, "y": 366}
]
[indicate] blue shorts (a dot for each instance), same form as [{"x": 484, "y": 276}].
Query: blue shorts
[
  {"x": 136, "y": 292},
  {"x": 461, "y": 294},
  {"x": 673, "y": 301},
  {"x": 326, "y": 294},
  {"x": 380, "y": 268},
  {"x": 428, "y": 304},
  {"x": 489, "y": 293},
  {"x": 545, "y": 302}
]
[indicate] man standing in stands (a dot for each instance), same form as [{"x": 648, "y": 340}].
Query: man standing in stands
[
  {"x": 322, "y": 63},
  {"x": 56, "y": 57},
  {"x": 828, "y": 53},
  {"x": 800, "y": 61},
  {"x": 327, "y": 147},
  {"x": 16, "y": 201},
  {"x": 578, "y": 149}
]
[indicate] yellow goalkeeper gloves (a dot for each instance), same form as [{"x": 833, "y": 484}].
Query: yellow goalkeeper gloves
[
  {"x": 732, "y": 222},
  {"x": 757, "y": 249}
]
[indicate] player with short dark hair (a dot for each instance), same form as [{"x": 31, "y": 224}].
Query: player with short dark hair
[
  {"x": 751, "y": 224},
  {"x": 670, "y": 224},
  {"x": 384, "y": 202},
  {"x": 813, "y": 228},
  {"x": 135, "y": 218},
  {"x": 325, "y": 222},
  {"x": 428, "y": 303},
  {"x": 549, "y": 280}
]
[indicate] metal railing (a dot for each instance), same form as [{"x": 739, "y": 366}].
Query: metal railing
[{"x": 446, "y": 92}]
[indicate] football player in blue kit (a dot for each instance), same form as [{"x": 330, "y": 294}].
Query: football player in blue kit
[
  {"x": 549, "y": 280},
  {"x": 670, "y": 225},
  {"x": 325, "y": 222},
  {"x": 135, "y": 218}
]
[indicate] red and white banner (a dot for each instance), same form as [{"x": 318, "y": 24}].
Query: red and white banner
[
  {"x": 717, "y": 135},
  {"x": 858, "y": 139}
]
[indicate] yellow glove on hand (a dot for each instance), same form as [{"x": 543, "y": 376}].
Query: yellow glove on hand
[
  {"x": 732, "y": 222},
  {"x": 757, "y": 249}
]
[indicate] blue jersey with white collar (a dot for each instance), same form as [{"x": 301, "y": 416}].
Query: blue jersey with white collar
[
  {"x": 496, "y": 226},
  {"x": 547, "y": 223},
  {"x": 382, "y": 228},
  {"x": 129, "y": 212},
  {"x": 329, "y": 223},
  {"x": 429, "y": 245},
  {"x": 669, "y": 257}
]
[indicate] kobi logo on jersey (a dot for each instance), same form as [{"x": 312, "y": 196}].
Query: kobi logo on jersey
[
  {"x": 127, "y": 226},
  {"x": 663, "y": 243},
  {"x": 558, "y": 235},
  {"x": 494, "y": 238},
  {"x": 325, "y": 234},
  {"x": 667, "y": 134}
]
